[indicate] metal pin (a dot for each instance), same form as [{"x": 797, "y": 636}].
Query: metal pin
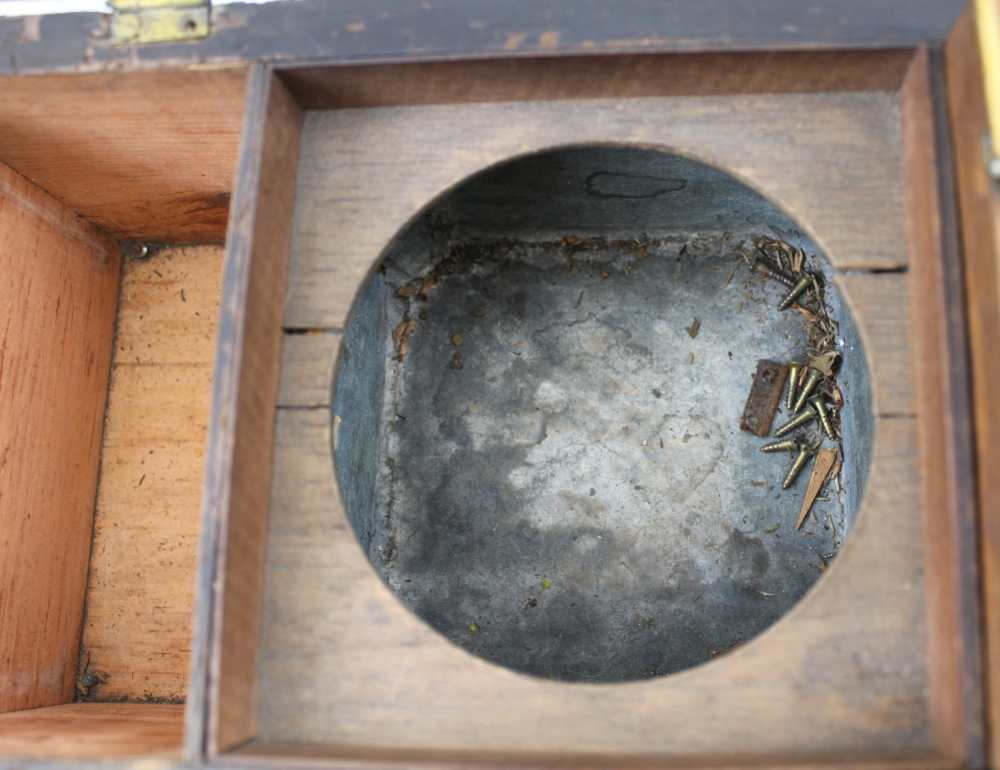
[
  {"x": 823, "y": 414},
  {"x": 806, "y": 415},
  {"x": 797, "y": 289},
  {"x": 788, "y": 445},
  {"x": 797, "y": 465},
  {"x": 812, "y": 380},
  {"x": 793, "y": 378}
]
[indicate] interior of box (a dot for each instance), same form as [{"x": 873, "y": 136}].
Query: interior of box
[
  {"x": 341, "y": 669},
  {"x": 107, "y": 363},
  {"x": 110, "y": 433}
]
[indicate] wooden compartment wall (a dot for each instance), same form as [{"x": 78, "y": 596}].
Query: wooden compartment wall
[
  {"x": 340, "y": 671},
  {"x": 106, "y": 370},
  {"x": 299, "y": 652}
]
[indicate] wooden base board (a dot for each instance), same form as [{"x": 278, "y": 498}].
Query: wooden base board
[
  {"x": 93, "y": 730},
  {"x": 334, "y": 637},
  {"x": 137, "y": 631}
]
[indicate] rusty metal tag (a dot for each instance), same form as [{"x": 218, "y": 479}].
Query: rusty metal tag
[{"x": 765, "y": 395}]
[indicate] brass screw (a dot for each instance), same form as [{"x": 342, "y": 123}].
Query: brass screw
[
  {"x": 794, "y": 368},
  {"x": 796, "y": 290},
  {"x": 806, "y": 415},
  {"x": 788, "y": 445},
  {"x": 812, "y": 380},
  {"x": 823, "y": 414},
  {"x": 797, "y": 465},
  {"x": 762, "y": 266}
]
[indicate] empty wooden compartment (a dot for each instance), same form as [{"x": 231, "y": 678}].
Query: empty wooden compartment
[{"x": 106, "y": 378}]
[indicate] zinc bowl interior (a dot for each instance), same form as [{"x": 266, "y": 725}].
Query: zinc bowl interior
[{"x": 537, "y": 417}]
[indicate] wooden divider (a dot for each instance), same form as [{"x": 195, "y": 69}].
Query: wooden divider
[
  {"x": 58, "y": 296},
  {"x": 239, "y": 451}
]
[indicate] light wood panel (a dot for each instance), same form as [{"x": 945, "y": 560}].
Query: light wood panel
[
  {"x": 345, "y": 664},
  {"x": 942, "y": 390},
  {"x": 146, "y": 155},
  {"x": 140, "y": 587},
  {"x": 245, "y": 389},
  {"x": 58, "y": 294},
  {"x": 828, "y": 160},
  {"x": 548, "y": 78},
  {"x": 93, "y": 731},
  {"x": 980, "y": 213},
  {"x": 307, "y": 362}
]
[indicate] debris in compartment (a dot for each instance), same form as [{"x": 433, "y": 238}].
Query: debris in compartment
[
  {"x": 812, "y": 393},
  {"x": 87, "y": 679},
  {"x": 825, "y": 461},
  {"x": 807, "y": 415},
  {"x": 764, "y": 398},
  {"x": 788, "y": 445},
  {"x": 798, "y": 464}
]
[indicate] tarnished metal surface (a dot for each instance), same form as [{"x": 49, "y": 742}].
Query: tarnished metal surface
[
  {"x": 765, "y": 395},
  {"x": 575, "y": 499}
]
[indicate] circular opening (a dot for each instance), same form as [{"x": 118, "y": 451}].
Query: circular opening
[{"x": 538, "y": 409}]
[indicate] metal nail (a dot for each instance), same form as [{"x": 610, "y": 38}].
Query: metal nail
[
  {"x": 797, "y": 465},
  {"x": 812, "y": 380},
  {"x": 788, "y": 445},
  {"x": 806, "y": 415},
  {"x": 796, "y": 290},
  {"x": 794, "y": 368},
  {"x": 823, "y": 414}
]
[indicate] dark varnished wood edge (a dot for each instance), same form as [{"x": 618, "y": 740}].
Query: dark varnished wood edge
[
  {"x": 243, "y": 254},
  {"x": 354, "y": 30},
  {"x": 979, "y": 206},
  {"x": 944, "y": 421}
]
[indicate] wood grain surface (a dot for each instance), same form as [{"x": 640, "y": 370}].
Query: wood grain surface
[
  {"x": 104, "y": 731},
  {"x": 345, "y": 664},
  {"x": 245, "y": 389},
  {"x": 348, "y": 668},
  {"x": 945, "y": 430},
  {"x": 307, "y": 362},
  {"x": 549, "y": 78},
  {"x": 58, "y": 295},
  {"x": 826, "y": 159},
  {"x": 140, "y": 588},
  {"x": 980, "y": 213},
  {"x": 147, "y": 156},
  {"x": 352, "y": 30}
]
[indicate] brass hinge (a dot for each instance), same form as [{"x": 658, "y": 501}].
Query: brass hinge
[{"x": 159, "y": 21}]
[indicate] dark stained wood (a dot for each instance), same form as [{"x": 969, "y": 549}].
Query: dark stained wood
[
  {"x": 944, "y": 425},
  {"x": 577, "y": 77},
  {"x": 980, "y": 213},
  {"x": 238, "y": 456},
  {"x": 367, "y": 29},
  {"x": 58, "y": 296},
  {"x": 144, "y": 155}
]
